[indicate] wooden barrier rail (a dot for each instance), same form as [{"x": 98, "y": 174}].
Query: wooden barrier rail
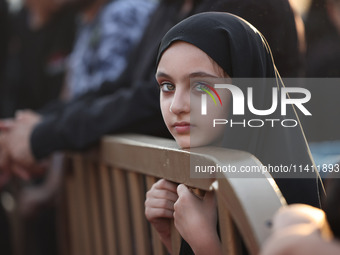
[{"x": 104, "y": 194}]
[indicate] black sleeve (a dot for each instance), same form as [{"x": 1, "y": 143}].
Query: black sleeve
[{"x": 81, "y": 123}]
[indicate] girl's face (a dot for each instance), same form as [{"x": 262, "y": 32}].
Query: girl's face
[{"x": 183, "y": 74}]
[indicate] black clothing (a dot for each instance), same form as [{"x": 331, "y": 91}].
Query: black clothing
[
  {"x": 275, "y": 20},
  {"x": 332, "y": 203},
  {"x": 322, "y": 61},
  {"x": 36, "y": 62}
]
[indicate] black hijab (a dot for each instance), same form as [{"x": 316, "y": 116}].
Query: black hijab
[
  {"x": 242, "y": 52},
  {"x": 276, "y": 21}
]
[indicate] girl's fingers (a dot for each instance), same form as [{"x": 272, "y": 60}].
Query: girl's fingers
[
  {"x": 183, "y": 191},
  {"x": 163, "y": 194},
  {"x": 154, "y": 213},
  {"x": 166, "y": 185},
  {"x": 159, "y": 203},
  {"x": 163, "y": 190}
]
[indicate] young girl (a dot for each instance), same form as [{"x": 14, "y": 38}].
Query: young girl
[{"x": 192, "y": 56}]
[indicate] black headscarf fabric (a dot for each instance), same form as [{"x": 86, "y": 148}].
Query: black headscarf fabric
[
  {"x": 276, "y": 21},
  {"x": 224, "y": 37},
  {"x": 237, "y": 47}
]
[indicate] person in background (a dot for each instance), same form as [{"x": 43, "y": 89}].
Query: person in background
[
  {"x": 300, "y": 230},
  {"x": 41, "y": 38},
  {"x": 323, "y": 69},
  {"x": 134, "y": 86},
  {"x": 106, "y": 34},
  {"x": 107, "y": 31},
  {"x": 323, "y": 39}
]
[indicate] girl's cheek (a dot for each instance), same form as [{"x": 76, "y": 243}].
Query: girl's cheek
[{"x": 165, "y": 106}]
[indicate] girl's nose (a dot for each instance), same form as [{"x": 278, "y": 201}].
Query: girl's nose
[{"x": 180, "y": 103}]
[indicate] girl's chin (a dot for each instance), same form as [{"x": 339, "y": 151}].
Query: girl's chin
[
  {"x": 183, "y": 143},
  {"x": 188, "y": 144},
  {"x": 193, "y": 143}
]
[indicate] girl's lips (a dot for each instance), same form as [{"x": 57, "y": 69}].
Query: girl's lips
[{"x": 182, "y": 127}]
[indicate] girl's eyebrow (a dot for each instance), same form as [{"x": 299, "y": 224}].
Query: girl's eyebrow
[
  {"x": 161, "y": 74},
  {"x": 202, "y": 74},
  {"x": 191, "y": 75}
]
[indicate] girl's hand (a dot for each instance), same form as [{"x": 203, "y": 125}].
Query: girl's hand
[
  {"x": 196, "y": 221},
  {"x": 159, "y": 208}
]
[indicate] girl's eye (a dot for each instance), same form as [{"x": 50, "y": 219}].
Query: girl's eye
[
  {"x": 201, "y": 87},
  {"x": 167, "y": 87}
]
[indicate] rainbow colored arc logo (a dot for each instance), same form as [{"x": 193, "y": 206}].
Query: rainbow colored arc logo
[{"x": 210, "y": 94}]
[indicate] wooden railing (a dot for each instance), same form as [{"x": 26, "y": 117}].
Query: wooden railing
[{"x": 104, "y": 194}]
